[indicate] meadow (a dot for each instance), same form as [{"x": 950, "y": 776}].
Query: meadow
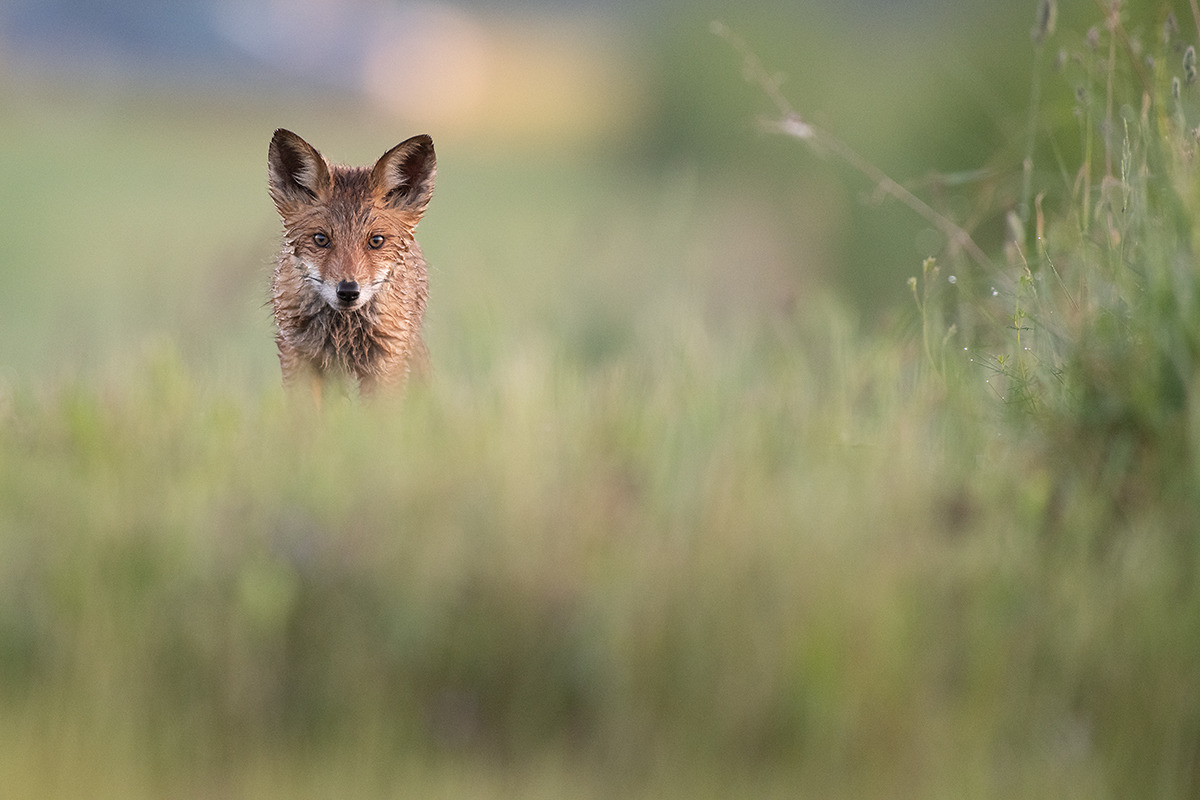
[{"x": 655, "y": 528}]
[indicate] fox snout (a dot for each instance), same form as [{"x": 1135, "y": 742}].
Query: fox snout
[{"x": 344, "y": 294}]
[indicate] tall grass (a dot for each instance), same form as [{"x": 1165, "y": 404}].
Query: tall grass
[
  {"x": 1102, "y": 325},
  {"x": 766, "y": 557}
]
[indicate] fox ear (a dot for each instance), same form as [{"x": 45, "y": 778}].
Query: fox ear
[
  {"x": 298, "y": 173},
  {"x": 403, "y": 176}
]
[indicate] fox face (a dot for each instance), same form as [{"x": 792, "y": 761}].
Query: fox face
[
  {"x": 350, "y": 286},
  {"x": 349, "y": 228}
]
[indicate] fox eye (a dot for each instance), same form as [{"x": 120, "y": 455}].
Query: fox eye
[
  {"x": 376, "y": 242},
  {"x": 320, "y": 240}
]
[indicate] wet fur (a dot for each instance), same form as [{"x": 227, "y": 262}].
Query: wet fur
[{"x": 378, "y": 344}]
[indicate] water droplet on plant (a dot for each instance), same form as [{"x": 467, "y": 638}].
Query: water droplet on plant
[{"x": 953, "y": 279}]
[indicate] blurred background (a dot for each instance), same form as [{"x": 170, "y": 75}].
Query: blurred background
[
  {"x": 684, "y": 511},
  {"x": 595, "y": 158}
]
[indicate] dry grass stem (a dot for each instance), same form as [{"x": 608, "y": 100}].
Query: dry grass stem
[{"x": 790, "y": 123}]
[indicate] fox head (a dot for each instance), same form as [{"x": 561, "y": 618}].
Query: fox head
[{"x": 349, "y": 229}]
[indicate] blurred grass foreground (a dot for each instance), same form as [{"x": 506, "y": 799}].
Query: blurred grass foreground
[{"x": 661, "y": 525}]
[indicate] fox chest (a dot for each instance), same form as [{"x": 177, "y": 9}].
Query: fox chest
[{"x": 354, "y": 342}]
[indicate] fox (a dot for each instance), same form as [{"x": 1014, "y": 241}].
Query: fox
[{"x": 350, "y": 284}]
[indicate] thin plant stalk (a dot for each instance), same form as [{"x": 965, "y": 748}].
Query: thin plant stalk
[
  {"x": 1085, "y": 172},
  {"x": 792, "y": 124},
  {"x": 1047, "y": 12},
  {"x": 1114, "y": 16},
  {"x": 1031, "y": 138}
]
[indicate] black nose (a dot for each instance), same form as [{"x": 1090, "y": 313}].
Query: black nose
[{"x": 347, "y": 291}]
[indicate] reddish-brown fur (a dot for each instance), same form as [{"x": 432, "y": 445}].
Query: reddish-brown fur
[{"x": 350, "y": 224}]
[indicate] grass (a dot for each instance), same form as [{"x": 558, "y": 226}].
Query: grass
[
  {"x": 620, "y": 544},
  {"x": 632, "y": 568}
]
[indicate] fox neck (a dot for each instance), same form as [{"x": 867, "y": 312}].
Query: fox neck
[{"x": 366, "y": 343}]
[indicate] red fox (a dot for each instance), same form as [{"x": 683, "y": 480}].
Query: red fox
[{"x": 350, "y": 286}]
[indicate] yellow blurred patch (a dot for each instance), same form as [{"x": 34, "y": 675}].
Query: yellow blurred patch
[{"x": 464, "y": 75}]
